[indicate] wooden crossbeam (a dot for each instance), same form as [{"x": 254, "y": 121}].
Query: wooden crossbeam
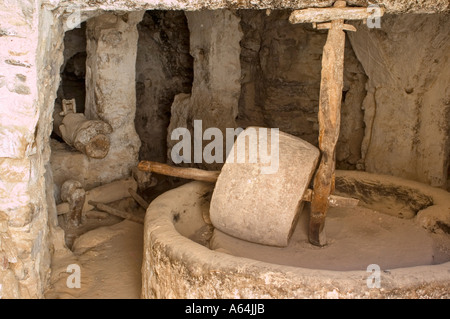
[
  {"x": 338, "y": 12},
  {"x": 211, "y": 176}
]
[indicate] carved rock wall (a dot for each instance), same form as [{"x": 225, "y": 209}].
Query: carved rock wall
[
  {"x": 281, "y": 69},
  {"x": 407, "y": 107},
  {"x": 111, "y": 97},
  {"x": 214, "y": 44},
  {"x": 164, "y": 68}
]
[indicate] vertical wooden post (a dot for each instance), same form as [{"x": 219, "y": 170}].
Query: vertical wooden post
[{"x": 329, "y": 126}]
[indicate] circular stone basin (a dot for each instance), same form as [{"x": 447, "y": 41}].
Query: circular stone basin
[{"x": 395, "y": 244}]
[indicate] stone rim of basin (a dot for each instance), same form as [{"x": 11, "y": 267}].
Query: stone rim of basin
[{"x": 199, "y": 272}]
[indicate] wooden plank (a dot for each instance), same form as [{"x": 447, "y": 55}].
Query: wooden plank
[
  {"x": 73, "y": 193},
  {"x": 333, "y": 200},
  {"x": 339, "y": 201},
  {"x": 312, "y": 15},
  {"x": 142, "y": 202},
  {"x": 116, "y": 212},
  {"x": 182, "y": 172}
]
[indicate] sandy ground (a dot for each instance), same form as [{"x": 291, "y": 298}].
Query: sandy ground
[
  {"x": 356, "y": 238},
  {"x": 109, "y": 251},
  {"x": 110, "y": 259}
]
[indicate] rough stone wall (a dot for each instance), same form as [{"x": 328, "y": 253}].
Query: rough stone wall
[
  {"x": 281, "y": 69},
  {"x": 214, "y": 44},
  {"x": 164, "y": 68},
  {"x": 407, "y": 107},
  {"x": 392, "y": 6},
  {"x": 30, "y": 65},
  {"x": 29, "y": 75}
]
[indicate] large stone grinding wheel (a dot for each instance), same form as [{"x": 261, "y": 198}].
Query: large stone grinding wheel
[
  {"x": 258, "y": 204},
  {"x": 259, "y": 198}
]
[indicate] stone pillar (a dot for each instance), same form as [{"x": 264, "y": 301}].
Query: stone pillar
[
  {"x": 215, "y": 45},
  {"x": 111, "y": 90}
]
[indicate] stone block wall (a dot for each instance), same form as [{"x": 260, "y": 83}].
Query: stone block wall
[{"x": 31, "y": 46}]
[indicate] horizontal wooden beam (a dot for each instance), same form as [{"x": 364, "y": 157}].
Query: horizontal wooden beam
[
  {"x": 119, "y": 213},
  {"x": 333, "y": 200},
  {"x": 211, "y": 176},
  {"x": 142, "y": 202},
  {"x": 182, "y": 172},
  {"x": 327, "y": 25},
  {"x": 312, "y": 15}
]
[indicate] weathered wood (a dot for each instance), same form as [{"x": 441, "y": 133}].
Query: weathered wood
[
  {"x": 326, "y": 26},
  {"x": 329, "y": 103},
  {"x": 88, "y": 136},
  {"x": 107, "y": 193},
  {"x": 62, "y": 208},
  {"x": 110, "y": 192},
  {"x": 73, "y": 193},
  {"x": 119, "y": 213},
  {"x": 333, "y": 200},
  {"x": 142, "y": 202},
  {"x": 329, "y": 14},
  {"x": 182, "y": 172},
  {"x": 94, "y": 214},
  {"x": 164, "y": 169},
  {"x": 339, "y": 201},
  {"x": 329, "y": 123}
]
